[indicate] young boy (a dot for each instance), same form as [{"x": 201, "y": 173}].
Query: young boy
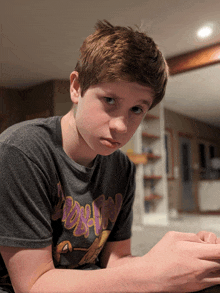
[{"x": 67, "y": 190}]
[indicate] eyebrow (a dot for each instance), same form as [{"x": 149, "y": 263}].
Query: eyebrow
[
  {"x": 142, "y": 101},
  {"x": 145, "y": 102}
]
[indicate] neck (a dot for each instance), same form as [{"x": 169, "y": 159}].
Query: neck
[{"x": 73, "y": 144}]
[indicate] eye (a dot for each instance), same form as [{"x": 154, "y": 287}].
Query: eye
[
  {"x": 110, "y": 101},
  {"x": 137, "y": 110}
]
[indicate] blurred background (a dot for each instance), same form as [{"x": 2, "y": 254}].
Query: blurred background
[{"x": 39, "y": 47}]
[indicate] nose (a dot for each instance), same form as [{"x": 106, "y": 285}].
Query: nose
[{"x": 119, "y": 124}]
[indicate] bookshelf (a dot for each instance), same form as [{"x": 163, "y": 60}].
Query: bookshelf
[
  {"x": 154, "y": 178},
  {"x": 151, "y": 199}
]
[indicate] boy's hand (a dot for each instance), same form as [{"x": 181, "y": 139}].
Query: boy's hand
[
  {"x": 208, "y": 237},
  {"x": 183, "y": 262}
]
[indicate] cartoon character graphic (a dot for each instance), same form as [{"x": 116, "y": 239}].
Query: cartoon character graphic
[
  {"x": 91, "y": 253},
  {"x": 58, "y": 209},
  {"x": 63, "y": 247},
  {"x": 79, "y": 219},
  {"x": 95, "y": 248}
]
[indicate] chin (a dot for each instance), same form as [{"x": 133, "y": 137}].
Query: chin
[
  {"x": 103, "y": 150},
  {"x": 107, "y": 152}
]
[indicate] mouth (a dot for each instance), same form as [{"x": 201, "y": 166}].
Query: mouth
[{"x": 110, "y": 143}]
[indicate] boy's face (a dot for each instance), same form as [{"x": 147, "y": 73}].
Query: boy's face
[{"x": 108, "y": 114}]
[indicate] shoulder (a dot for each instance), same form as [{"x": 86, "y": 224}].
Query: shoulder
[
  {"x": 29, "y": 132},
  {"x": 34, "y": 138},
  {"x": 29, "y": 128}
]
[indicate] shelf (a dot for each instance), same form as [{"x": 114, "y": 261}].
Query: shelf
[
  {"x": 152, "y": 156},
  {"x": 152, "y": 197},
  {"x": 153, "y": 177},
  {"x": 150, "y": 116},
  {"x": 137, "y": 158},
  {"x": 142, "y": 158},
  {"x": 148, "y": 135}
]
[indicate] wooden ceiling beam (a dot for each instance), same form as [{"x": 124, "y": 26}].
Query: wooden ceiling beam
[{"x": 194, "y": 59}]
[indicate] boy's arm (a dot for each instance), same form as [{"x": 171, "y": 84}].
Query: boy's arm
[
  {"x": 119, "y": 252},
  {"x": 116, "y": 253},
  {"x": 180, "y": 262},
  {"x": 33, "y": 271}
]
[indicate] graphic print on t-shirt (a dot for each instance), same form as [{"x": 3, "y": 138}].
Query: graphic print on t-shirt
[
  {"x": 91, "y": 253},
  {"x": 80, "y": 219}
]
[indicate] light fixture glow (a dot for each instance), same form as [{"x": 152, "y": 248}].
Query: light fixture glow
[{"x": 205, "y": 32}]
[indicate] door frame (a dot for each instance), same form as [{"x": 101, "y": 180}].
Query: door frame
[{"x": 194, "y": 178}]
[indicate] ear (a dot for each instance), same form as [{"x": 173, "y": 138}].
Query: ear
[{"x": 75, "y": 90}]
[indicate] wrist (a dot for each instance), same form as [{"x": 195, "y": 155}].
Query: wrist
[{"x": 139, "y": 278}]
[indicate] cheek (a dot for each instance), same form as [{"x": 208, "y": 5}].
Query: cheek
[
  {"x": 132, "y": 128},
  {"x": 91, "y": 120},
  {"x": 134, "y": 124}
]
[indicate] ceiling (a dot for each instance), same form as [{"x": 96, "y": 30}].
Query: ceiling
[{"x": 40, "y": 40}]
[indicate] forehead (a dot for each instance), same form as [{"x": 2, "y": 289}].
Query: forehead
[
  {"x": 126, "y": 90},
  {"x": 123, "y": 89}
]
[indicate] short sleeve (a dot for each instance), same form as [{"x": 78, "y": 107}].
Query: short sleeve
[
  {"x": 25, "y": 206},
  {"x": 123, "y": 224}
]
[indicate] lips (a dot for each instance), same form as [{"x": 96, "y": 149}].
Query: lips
[{"x": 111, "y": 143}]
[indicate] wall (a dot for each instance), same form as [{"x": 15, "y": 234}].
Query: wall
[
  {"x": 17, "y": 105},
  {"x": 38, "y": 100},
  {"x": 197, "y": 130},
  {"x": 182, "y": 123},
  {"x": 42, "y": 100},
  {"x": 11, "y": 110},
  {"x": 61, "y": 97}
]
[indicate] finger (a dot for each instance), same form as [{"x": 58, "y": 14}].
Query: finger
[
  {"x": 180, "y": 236},
  {"x": 208, "y": 237},
  {"x": 213, "y": 280},
  {"x": 203, "y": 250},
  {"x": 210, "y": 281},
  {"x": 210, "y": 287},
  {"x": 211, "y": 268},
  {"x": 209, "y": 252},
  {"x": 218, "y": 240}
]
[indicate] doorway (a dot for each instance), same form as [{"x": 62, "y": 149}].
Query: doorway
[{"x": 188, "y": 202}]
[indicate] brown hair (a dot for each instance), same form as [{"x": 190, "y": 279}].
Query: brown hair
[{"x": 115, "y": 53}]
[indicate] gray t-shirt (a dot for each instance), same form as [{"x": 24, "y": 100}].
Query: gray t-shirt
[{"x": 47, "y": 198}]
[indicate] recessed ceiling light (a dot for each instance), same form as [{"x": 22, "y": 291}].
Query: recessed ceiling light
[{"x": 205, "y": 31}]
